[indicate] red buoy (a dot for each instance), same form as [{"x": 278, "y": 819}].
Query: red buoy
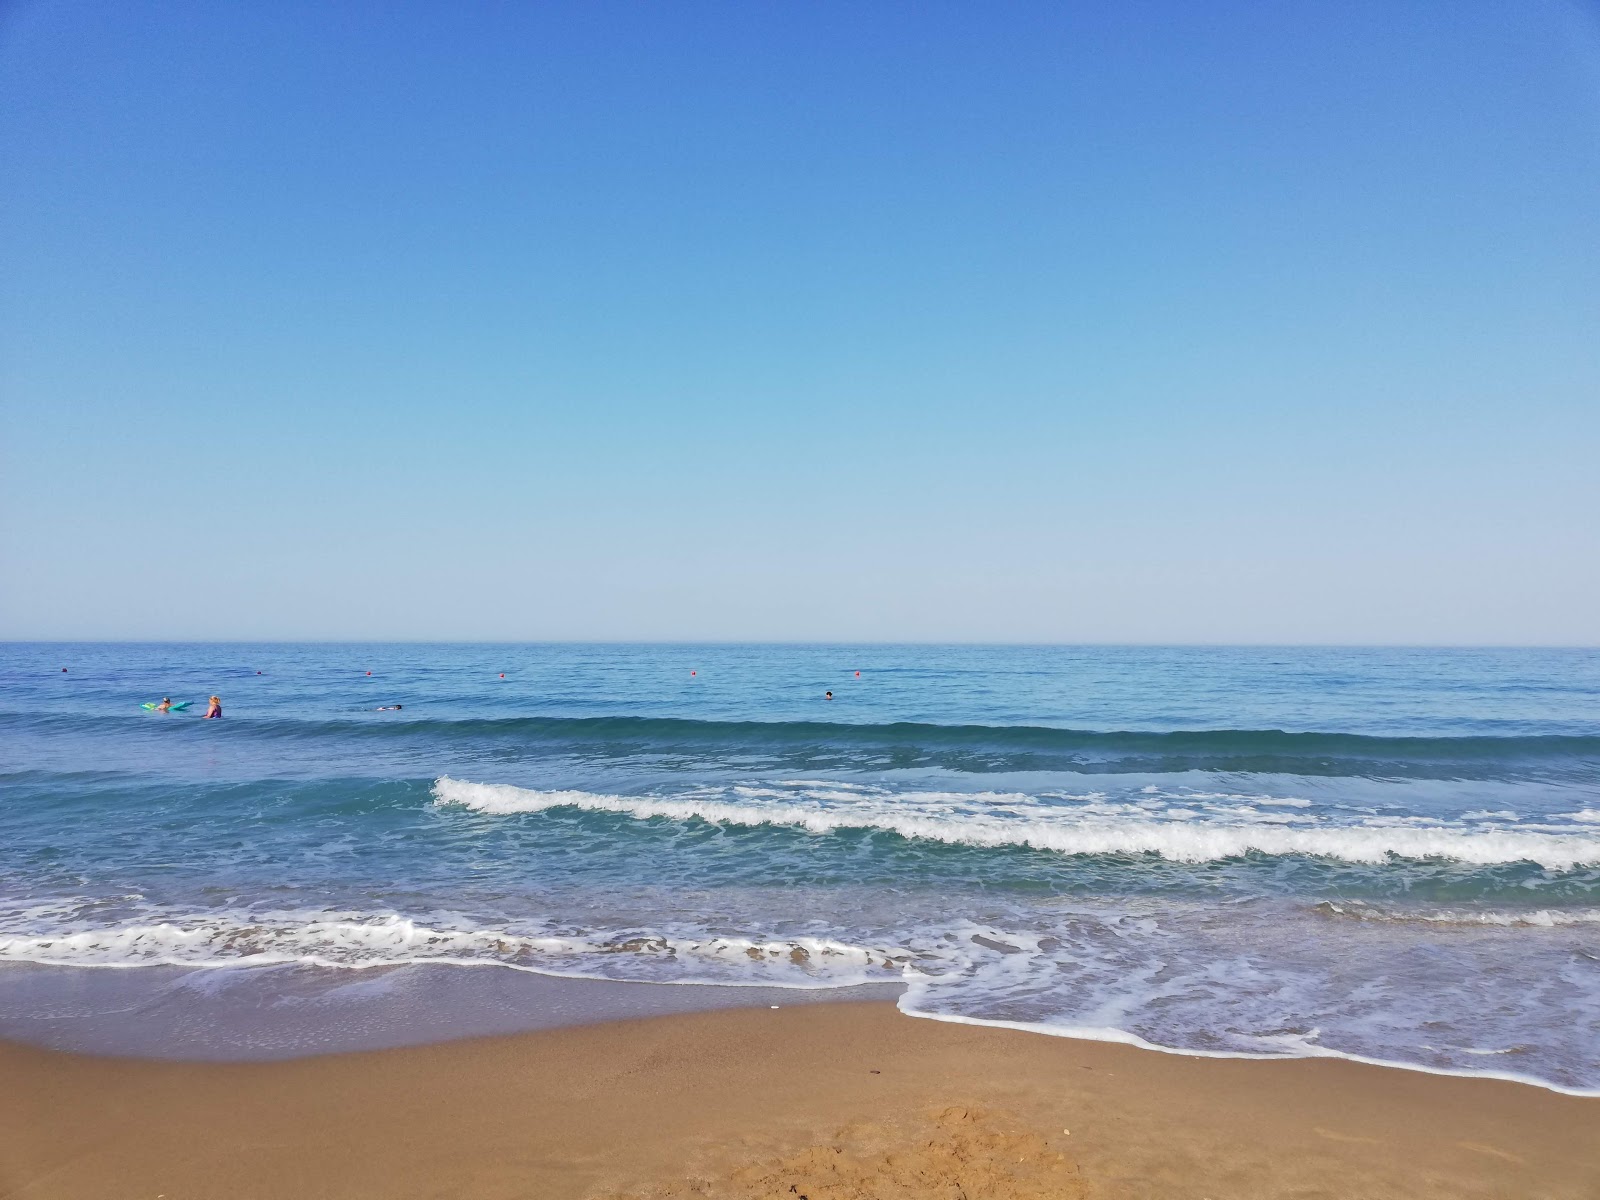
[
  {"x": 369, "y": 672},
  {"x": 858, "y": 674},
  {"x": 692, "y": 672},
  {"x": 502, "y": 674}
]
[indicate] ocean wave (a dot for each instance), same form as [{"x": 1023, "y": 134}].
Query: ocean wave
[
  {"x": 806, "y": 744},
  {"x": 995, "y": 820},
  {"x": 678, "y": 730}
]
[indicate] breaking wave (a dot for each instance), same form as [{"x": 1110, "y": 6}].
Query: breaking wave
[{"x": 992, "y": 819}]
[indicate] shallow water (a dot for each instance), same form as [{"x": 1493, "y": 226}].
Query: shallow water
[{"x": 1388, "y": 854}]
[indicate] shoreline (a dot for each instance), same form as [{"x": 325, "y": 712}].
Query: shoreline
[
  {"x": 744, "y": 1102},
  {"x": 259, "y": 1012},
  {"x": 1118, "y": 1037},
  {"x": 289, "y": 1010}
]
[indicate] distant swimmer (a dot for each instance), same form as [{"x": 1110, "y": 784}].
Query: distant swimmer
[
  {"x": 214, "y": 707},
  {"x": 165, "y": 705},
  {"x": 63, "y": 670},
  {"x": 827, "y": 695},
  {"x": 389, "y": 708}
]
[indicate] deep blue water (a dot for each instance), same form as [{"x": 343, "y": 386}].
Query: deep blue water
[{"x": 1385, "y": 853}]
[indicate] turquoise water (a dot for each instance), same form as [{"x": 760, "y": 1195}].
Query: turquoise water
[{"x": 1381, "y": 853}]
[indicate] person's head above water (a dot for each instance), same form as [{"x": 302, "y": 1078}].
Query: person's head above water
[{"x": 827, "y": 695}]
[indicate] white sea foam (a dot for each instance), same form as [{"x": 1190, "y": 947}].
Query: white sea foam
[
  {"x": 1274, "y": 801},
  {"x": 1293, "y": 1048},
  {"x": 357, "y": 940},
  {"x": 992, "y": 819},
  {"x": 1543, "y": 918}
]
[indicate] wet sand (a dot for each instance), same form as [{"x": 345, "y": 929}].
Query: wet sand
[
  {"x": 296, "y": 1010},
  {"x": 831, "y": 1102}
]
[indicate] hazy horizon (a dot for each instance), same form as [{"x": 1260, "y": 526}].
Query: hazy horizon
[
  {"x": 842, "y": 643},
  {"x": 1161, "y": 325}
]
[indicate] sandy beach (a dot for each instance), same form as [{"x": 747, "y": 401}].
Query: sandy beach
[{"x": 829, "y": 1102}]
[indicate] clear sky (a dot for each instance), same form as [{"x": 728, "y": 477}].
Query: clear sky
[{"x": 1065, "y": 321}]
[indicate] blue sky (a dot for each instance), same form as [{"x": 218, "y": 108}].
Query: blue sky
[{"x": 1154, "y": 322}]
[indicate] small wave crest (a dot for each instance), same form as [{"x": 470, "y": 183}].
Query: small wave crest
[
  {"x": 357, "y": 940},
  {"x": 1540, "y": 918},
  {"x": 993, "y": 820}
]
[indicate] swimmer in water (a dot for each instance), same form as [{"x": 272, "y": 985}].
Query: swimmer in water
[
  {"x": 827, "y": 695},
  {"x": 389, "y": 708},
  {"x": 165, "y": 705},
  {"x": 214, "y": 707}
]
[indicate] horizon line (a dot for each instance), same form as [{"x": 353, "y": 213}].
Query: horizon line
[{"x": 929, "y": 643}]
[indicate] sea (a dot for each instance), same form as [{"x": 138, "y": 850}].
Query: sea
[{"x": 1383, "y": 854}]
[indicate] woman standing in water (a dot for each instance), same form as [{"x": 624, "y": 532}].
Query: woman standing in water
[{"x": 214, "y": 707}]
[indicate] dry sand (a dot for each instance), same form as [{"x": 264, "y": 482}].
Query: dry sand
[{"x": 834, "y": 1102}]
